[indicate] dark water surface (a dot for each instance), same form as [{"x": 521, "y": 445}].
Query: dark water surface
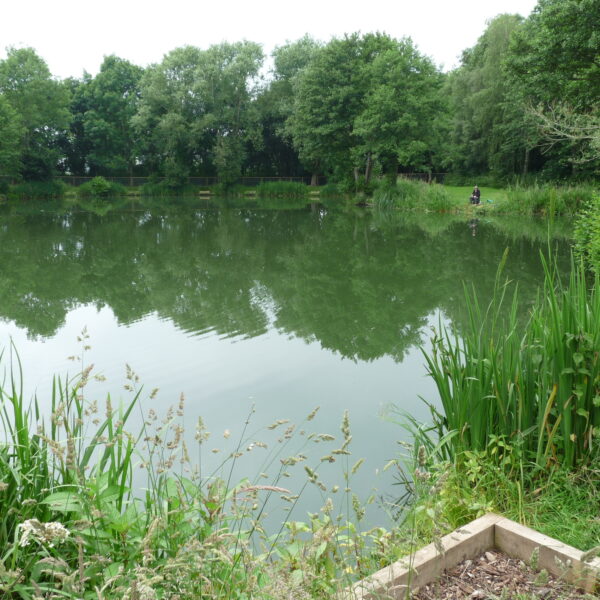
[{"x": 241, "y": 309}]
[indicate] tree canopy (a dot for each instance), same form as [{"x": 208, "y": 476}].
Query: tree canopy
[{"x": 524, "y": 100}]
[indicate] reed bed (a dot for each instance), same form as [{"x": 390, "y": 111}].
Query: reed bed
[
  {"x": 587, "y": 235},
  {"x": 548, "y": 200},
  {"x": 412, "y": 195},
  {"x": 526, "y": 393}
]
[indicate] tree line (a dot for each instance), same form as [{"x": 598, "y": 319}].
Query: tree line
[{"x": 524, "y": 100}]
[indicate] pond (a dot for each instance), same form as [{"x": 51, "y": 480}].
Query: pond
[{"x": 246, "y": 310}]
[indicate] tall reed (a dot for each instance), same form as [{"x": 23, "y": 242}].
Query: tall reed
[
  {"x": 533, "y": 385},
  {"x": 409, "y": 195}
]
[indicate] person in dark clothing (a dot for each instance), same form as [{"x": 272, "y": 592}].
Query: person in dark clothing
[{"x": 475, "y": 196}]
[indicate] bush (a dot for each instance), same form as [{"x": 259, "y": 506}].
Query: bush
[
  {"x": 99, "y": 187},
  {"x": 330, "y": 190},
  {"x": 166, "y": 189}
]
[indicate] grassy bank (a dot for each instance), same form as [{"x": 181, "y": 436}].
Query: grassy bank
[{"x": 546, "y": 200}]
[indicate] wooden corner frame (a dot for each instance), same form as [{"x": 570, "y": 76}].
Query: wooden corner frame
[{"x": 486, "y": 533}]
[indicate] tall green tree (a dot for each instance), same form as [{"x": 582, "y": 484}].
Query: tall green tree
[
  {"x": 112, "y": 97},
  {"x": 361, "y": 100},
  {"x": 491, "y": 128},
  {"x": 11, "y": 136},
  {"x": 43, "y": 107},
  {"x": 397, "y": 125},
  {"x": 196, "y": 112},
  {"x": 272, "y": 153},
  {"x": 555, "y": 60}
]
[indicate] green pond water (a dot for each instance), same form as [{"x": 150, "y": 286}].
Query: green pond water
[{"x": 247, "y": 310}]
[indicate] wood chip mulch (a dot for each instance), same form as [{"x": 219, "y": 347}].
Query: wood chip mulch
[{"x": 495, "y": 576}]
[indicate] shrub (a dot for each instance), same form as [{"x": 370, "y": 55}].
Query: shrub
[
  {"x": 330, "y": 190},
  {"x": 99, "y": 187}
]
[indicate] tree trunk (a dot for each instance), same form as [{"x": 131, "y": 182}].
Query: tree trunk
[
  {"x": 314, "y": 180},
  {"x": 526, "y": 162},
  {"x": 368, "y": 168}
]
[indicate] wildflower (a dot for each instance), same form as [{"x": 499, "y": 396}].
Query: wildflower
[
  {"x": 3, "y": 486},
  {"x": 46, "y": 533},
  {"x": 226, "y": 433}
]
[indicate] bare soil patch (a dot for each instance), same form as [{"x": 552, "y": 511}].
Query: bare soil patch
[{"x": 496, "y": 576}]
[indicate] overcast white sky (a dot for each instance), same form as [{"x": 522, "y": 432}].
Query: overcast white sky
[{"x": 74, "y": 35}]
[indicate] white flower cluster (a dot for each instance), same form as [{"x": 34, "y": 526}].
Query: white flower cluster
[{"x": 46, "y": 533}]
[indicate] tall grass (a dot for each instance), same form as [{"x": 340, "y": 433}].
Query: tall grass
[
  {"x": 72, "y": 524},
  {"x": 587, "y": 235},
  {"x": 547, "y": 199},
  {"x": 282, "y": 189},
  {"x": 533, "y": 386},
  {"x": 36, "y": 190},
  {"x": 410, "y": 195},
  {"x": 167, "y": 189}
]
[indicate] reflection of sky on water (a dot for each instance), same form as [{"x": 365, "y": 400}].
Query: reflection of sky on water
[{"x": 222, "y": 379}]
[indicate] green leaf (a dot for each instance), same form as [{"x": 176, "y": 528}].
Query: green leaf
[
  {"x": 64, "y": 502},
  {"x": 320, "y": 549}
]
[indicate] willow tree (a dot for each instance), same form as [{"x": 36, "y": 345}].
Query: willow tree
[{"x": 195, "y": 110}]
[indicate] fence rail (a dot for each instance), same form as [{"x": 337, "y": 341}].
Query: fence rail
[{"x": 77, "y": 180}]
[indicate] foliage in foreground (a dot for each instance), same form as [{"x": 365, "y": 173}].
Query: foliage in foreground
[{"x": 71, "y": 525}]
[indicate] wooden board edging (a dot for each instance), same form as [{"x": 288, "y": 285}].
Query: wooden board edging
[
  {"x": 426, "y": 564},
  {"x": 486, "y": 533},
  {"x": 561, "y": 560}
]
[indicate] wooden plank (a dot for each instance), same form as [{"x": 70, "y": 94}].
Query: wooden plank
[
  {"x": 519, "y": 541},
  {"x": 426, "y": 564}
]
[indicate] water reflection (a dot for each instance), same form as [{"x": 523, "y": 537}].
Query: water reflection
[{"x": 362, "y": 285}]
